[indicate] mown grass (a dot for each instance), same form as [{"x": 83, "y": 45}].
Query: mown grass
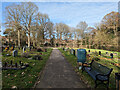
[
  {"x": 85, "y": 77},
  {"x": 25, "y": 78}
]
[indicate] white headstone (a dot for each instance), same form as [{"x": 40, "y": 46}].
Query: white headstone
[{"x": 15, "y": 53}]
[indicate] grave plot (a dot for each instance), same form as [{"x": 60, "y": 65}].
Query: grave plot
[
  {"x": 16, "y": 69},
  {"x": 15, "y": 66}
]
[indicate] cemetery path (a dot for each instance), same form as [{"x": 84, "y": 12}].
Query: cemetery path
[{"x": 58, "y": 73}]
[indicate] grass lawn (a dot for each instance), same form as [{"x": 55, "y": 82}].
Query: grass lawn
[
  {"x": 84, "y": 76},
  {"x": 25, "y": 78}
]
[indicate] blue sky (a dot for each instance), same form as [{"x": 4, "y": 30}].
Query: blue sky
[{"x": 72, "y": 13}]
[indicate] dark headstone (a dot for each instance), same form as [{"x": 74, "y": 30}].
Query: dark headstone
[
  {"x": 106, "y": 52},
  {"x": 24, "y": 49},
  {"x": 5, "y": 64},
  {"x": 88, "y": 50},
  {"x": 16, "y": 65},
  {"x": 11, "y": 62},
  {"x": 111, "y": 55},
  {"x": 20, "y": 62},
  {"x": 100, "y": 53}
]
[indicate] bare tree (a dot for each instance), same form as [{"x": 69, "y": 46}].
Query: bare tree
[
  {"x": 28, "y": 12},
  {"x": 82, "y": 27},
  {"x": 13, "y": 18},
  {"x": 42, "y": 20}
]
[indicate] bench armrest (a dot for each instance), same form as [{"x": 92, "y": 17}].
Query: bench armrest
[{"x": 87, "y": 63}]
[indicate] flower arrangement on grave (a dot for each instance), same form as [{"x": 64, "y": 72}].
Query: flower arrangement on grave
[
  {"x": 6, "y": 48},
  {"x": 12, "y": 48},
  {"x": 40, "y": 53}
]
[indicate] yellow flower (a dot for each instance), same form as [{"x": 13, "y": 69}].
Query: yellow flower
[{"x": 25, "y": 51}]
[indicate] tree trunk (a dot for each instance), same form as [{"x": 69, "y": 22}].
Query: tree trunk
[
  {"x": 28, "y": 38},
  {"x": 18, "y": 38}
]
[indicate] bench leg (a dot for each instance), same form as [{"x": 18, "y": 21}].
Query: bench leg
[
  {"x": 95, "y": 83},
  {"x": 82, "y": 69},
  {"x": 107, "y": 85}
]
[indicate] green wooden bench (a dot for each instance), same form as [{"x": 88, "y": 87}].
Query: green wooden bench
[{"x": 98, "y": 72}]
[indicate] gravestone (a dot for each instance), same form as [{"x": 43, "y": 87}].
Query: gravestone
[
  {"x": 5, "y": 64},
  {"x": 88, "y": 50},
  {"x": 106, "y": 53},
  {"x": 111, "y": 55},
  {"x": 15, "y": 52},
  {"x": 81, "y": 55},
  {"x": 16, "y": 65},
  {"x": 100, "y": 53},
  {"x": 20, "y": 62},
  {"x": 24, "y": 49},
  {"x": 11, "y": 62}
]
